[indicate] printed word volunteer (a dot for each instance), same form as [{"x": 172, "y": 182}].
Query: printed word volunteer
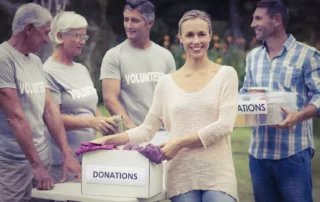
[
  {"x": 32, "y": 87},
  {"x": 143, "y": 77},
  {"x": 82, "y": 92}
]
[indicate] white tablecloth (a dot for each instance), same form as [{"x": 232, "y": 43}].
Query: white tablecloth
[{"x": 72, "y": 190}]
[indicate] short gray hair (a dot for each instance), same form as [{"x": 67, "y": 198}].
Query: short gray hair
[
  {"x": 145, "y": 7},
  {"x": 30, "y": 13},
  {"x": 65, "y": 21}
]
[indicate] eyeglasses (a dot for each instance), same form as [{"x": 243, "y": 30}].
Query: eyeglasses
[{"x": 77, "y": 36}]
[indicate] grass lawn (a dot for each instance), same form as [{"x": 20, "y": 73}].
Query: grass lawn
[{"x": 240, "y": 144}]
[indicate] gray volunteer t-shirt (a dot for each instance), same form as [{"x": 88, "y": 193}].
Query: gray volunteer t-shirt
[
  {"x": 72, "y": 88},
  {"x": 24, "y": 73},
  {"x": 139, "y": 70}
]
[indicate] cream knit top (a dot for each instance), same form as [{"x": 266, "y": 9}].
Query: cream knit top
[{"x": 211, "y": 112}]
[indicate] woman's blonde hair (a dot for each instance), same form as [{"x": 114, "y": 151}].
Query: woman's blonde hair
[{"x": 196, "y": 14}]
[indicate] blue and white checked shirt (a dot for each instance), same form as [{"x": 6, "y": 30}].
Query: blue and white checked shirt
[{"x": 295, "y": 69}]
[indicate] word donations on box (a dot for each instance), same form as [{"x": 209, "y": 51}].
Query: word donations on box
[
  {"x": 130, "y": 176},
  {"x": 252, "y": 107}
]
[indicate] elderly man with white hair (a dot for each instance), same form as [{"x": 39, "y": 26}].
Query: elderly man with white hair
[
  {"x": 26, "y": 107},
  {"x": 72, "y": 88}
]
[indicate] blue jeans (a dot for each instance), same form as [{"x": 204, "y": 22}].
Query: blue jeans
[
  {"x": 203, "y": 196},
  {"x": 284, "y": 180}
]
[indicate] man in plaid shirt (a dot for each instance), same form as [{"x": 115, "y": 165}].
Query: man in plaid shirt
[{"x": 280, "y": 156}]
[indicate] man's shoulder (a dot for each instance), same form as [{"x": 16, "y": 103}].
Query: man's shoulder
[
  {"x": 35, "y": 57},
  {"x": 6, "y": 60},
  {"x": 118, "y": 48},
  {"x": 4, "y": 52},
  {"x": 161, "y": 49},
  {"x": 6, "y": 56},
  {"x": 306, "y": 48},
  {"x": 116, "y": 51},
  {"x": 36, "y": 60},
  {"x": 255, "y": 50}
]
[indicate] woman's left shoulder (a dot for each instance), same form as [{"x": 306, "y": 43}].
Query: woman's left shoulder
[{"x": 229, "y": 70}]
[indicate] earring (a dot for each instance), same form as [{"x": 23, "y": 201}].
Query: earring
[{"x": 181, "y": 45}]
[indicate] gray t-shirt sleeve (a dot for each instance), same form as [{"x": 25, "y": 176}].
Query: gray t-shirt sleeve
[
  {"x": 110, "y": 67},
  {"x": 171, "y": 63},
  {"x": 54, "y": 88},
  {"x": 7, "y": 78}
]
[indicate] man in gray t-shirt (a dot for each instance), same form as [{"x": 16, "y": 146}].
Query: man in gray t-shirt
[
  {"x": 25, "y": 108},
  {"x": 130, "y": 71}
]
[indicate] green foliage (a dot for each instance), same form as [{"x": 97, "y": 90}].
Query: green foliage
[
  {"x": 103, "y": 3},
  {"x": 316, "y": 127}
]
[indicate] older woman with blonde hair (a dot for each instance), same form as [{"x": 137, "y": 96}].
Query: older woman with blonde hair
[
  {"x": 72, "y": 88},
  {"x": 197, "y": 105}
]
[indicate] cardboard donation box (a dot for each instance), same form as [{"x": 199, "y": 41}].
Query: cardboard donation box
[
  {"x": 120, "y": 173},
  {"x": 264, "y": 108}
]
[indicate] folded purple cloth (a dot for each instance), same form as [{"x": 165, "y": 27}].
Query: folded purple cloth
[
  {"x": 90, "y": 146},
  {"x": 132, "y": 146},
  {"x": 150, "y": 151}
]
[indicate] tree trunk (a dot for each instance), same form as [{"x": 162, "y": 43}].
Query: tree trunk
[{"x": 235, "y": 21}]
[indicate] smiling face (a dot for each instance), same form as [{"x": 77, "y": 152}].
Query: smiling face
[
  {"x": 135, "y": 25},
  {"x": 195, "y": 37},
  {"x": 263, "y": 25}
]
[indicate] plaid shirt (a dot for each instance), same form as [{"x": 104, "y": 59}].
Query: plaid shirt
[{"x": 296, "y": 68}]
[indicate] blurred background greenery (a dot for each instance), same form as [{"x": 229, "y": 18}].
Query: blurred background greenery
[{"x": 231, "y": 19}]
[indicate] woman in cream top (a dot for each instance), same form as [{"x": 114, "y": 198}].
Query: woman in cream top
[{"x": 197, "y": 105}]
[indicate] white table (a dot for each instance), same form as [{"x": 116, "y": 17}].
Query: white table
[{"x": 72, "y": 191}]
